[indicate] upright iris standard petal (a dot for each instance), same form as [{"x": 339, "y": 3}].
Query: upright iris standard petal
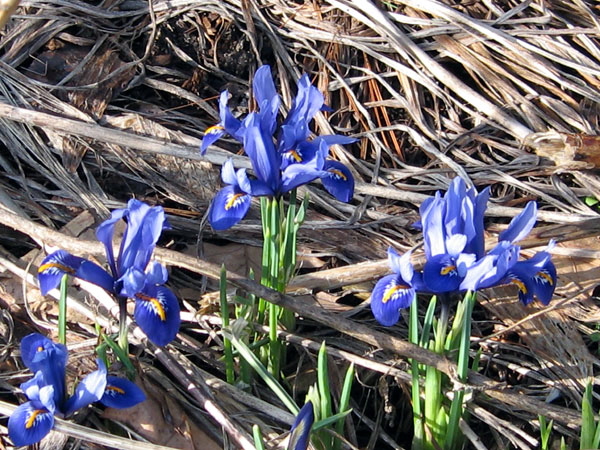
[
  {"x": 105, "y": 233},
  {"x": 521, "y": 225},
  {"x": 229, "y": 206},
  {"x": 300, "y": 431},
  {"x": 89, "y": 390},
  {"x": 157, "y": 313},
  {"x": 267, "y": 99},
  {"x": 260, "y": 148},
  {"x": 228, "y": 124},
  {"x": 60, "y": 262},
  {"x": 477, "y": 244},
  {"x": 432, "y": 214},
  {"x": 144, "y": 227},
  {"x": 121, "y": 393},
  {"x": 29, "y": 423},
  {"x": 338, "y": 180},
  {"x": 389, "y": 296}
]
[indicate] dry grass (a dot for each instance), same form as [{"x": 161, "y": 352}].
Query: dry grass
[{"x": 102, "y": 102}]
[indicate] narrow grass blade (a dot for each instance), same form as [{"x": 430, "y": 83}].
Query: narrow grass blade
[
  {"x": 413, "y": 336},
  {"x": 344, "y": 403},
  {"x": 588, "y": 427},
  {"x": 227, "y": 351},
  {"x": 258, "y": 440},
  {"x": 260, "y": 369}
]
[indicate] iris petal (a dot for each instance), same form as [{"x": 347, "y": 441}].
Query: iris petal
[
  {"x": 232, "y": 125},
  {"x": 144, "y": 227},
  {"x": 105, "y": 233},
  {"x": 29, "y": 423},
  {"x": 260, "y": 149},
  {"x": 228, "y": 207},
  {"x": 265, "y": 94},
  {"x": 121, "y": 393},
  {"x": 440, "y": 274},
  {"x": 389, "y": 296},
  {"x": 211, "y": 135},
  {"x": 338, "y": 181},
  {"x": 37, "y": 351},
  {"x": 300, "y": 431},
  {"x": 42, "y": 355},
  {"x": 157, "y": 313},
  {"x": 535, "y": 277},
  {"x": 432, "y": 222},
  {"x": 521, "y": 225},
  {"x": 59, "y": 263},
  {"x": 89, "y": 390},
  {"x": 545, "y": 283}
]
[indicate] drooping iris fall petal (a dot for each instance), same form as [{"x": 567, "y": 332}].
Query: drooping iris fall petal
[
  {"x": 60, "y": 262},
  {"x": 389, "y": 296},
  {"x": 29, "y": 423},
  {"x": 338, "y": 180},
  {"x": 157, "y": 313},
  {"x": 229, "y": 206},
  {"x": 121, "y": 393}
]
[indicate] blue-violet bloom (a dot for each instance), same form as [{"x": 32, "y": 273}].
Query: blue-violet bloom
[
  {"x": 453, "y": 236},
  {"x": 46, "y": 391},
  {"x": 282, "y": 157},
  {"x": 132, "y": 273}
]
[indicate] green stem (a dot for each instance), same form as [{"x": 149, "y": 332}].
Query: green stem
[
  {"x": 456, "y": 408},
  {"x": 123, "y": 329},
  {"x": 62, "y": 311}
]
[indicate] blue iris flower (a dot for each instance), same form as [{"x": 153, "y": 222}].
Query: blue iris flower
[
  {"x": 46, "y": 391},
  {"x": 132, "y": 273},
  {"x": 300, "y": 431},
  {"x": 453, "y": 241},
  {"x": 282, "y": 157}
]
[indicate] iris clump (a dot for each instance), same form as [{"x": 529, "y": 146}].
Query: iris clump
[
  {"x": 132, "y": 273},
  {"x": 282, "y": 155},
  {"x": 453, "y": 241},
  {"x": 47, "y": 392}
]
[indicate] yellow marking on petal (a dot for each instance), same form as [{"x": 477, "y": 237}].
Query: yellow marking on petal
[
  {"x": 40, "y": 349},
  {"x": 546, "y": 276},
  {"x": 448, "y": 269},
  {"x": 214, "y": 129},
  {"x": 53, "y": 265},
  {"x": 116, "y": 389},
  {"x": 158, "y": 307},
  {"x": 32, "y": 418},
  {"x": 338, "y": 173},
  {"x": 520, "y": 285},
  {"x": 389, "y": 293},
  {"x": 294, "y": 154},
  {"x": 232, "y": 201}
]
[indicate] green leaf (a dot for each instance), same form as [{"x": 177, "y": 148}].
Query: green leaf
[
  {"x": 591, "y": 201},
  {"x": 232, "y": 334}
]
